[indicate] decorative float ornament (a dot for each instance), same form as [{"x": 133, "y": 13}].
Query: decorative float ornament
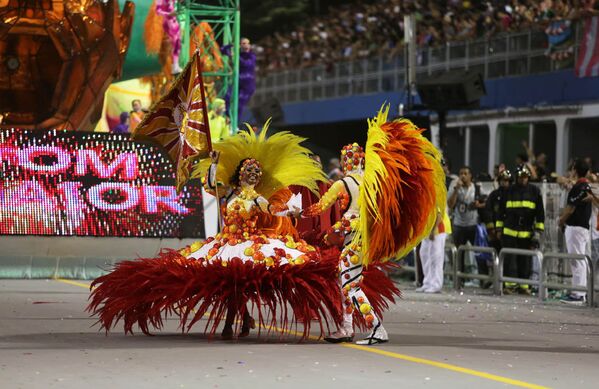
[{"x": 60, "y": 57}]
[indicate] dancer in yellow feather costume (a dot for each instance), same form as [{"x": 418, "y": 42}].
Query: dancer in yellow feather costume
[
  {"x": 256, "y": 263},
  {"x": 392, "y": 191}
]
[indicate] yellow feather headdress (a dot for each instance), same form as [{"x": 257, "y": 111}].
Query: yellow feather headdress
[{"x": 284, "y": 161}]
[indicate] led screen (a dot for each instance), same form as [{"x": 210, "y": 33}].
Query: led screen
[{"x": 92, "y": 184}]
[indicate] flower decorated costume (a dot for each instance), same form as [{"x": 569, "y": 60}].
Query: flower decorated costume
[
  {"x": 247, "y": 217},
  {"x": 391, "y": 192},
  {"x": 254, "y": 260}
]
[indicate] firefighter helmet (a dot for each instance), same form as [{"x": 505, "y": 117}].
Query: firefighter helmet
[
  {"x": 522, "y": 170},
  {"x": 505, "y": 175}
]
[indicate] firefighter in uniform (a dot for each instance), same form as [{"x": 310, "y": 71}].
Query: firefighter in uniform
[
  {"x": 493, "y": 208},
  {"x": 520, "y": 223}
]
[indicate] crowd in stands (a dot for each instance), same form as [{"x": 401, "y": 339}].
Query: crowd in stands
[{"x": 362, "y": 29}]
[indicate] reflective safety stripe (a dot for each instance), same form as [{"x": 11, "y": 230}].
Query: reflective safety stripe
[
  {"x": 521, "y": 204},
  {"x": 498, "y": 223},
  {"x": 517, "y": 234},
  {"x": 540, "y": 226}
]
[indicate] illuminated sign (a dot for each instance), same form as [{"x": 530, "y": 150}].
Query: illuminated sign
[{"x": 92, "y": 184}]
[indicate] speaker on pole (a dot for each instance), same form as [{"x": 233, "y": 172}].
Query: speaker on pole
[{"x": 452, "y": 90}]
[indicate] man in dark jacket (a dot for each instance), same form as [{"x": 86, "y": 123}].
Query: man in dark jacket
[{"x": 520, "y": 223}]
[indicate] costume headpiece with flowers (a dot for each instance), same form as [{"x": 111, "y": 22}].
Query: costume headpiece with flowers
[
  {"x": 352, "y": 158},
  {"x": 284, "y": 162},
  {"x": 248, "y": 164}
]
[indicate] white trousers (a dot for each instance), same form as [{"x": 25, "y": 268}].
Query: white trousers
[
  {"x": 577, "y": 239},
  {"x": 432, "y": 256}
]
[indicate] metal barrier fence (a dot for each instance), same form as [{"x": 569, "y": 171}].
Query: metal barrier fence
[
  {"x": 542, "y": 283},
  {"x": 412, "y": 269},
  {"x": 453, "y": 257},
  {"x": 449, "y": 248},
  {"x": 458, "y": 274},
  {"x": 590, "y": 288},
  {"x": 500, "y": 278}
]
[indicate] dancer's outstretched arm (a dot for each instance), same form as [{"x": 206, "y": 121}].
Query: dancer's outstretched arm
[{"x": 336, "y": 191}]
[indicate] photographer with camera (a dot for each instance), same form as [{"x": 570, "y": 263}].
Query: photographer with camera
[{"x": 463, "y": 201}]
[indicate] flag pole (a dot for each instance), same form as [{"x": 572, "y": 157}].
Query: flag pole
[{"x": 219, "y": 219}]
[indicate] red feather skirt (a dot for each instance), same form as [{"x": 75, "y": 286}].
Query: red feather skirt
[{"x": 146, "y": 291}]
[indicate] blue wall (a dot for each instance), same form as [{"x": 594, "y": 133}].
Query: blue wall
[{"x": 555, "y": 88}]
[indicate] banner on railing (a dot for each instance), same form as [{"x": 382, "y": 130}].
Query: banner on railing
[
  {"x": 560, "y": 42},
  {"x": 587, "y": 64},
  {"x": 92, "y": 184}
]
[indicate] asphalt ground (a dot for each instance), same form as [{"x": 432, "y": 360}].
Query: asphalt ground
[{"x": 449, "y": 340}]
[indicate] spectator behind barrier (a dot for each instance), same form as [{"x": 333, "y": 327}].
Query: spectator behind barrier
[
  {"x": 575, "y": 220},
  {"x": 463, "y": 200}
]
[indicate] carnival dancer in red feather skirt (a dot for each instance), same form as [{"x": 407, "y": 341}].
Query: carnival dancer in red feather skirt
[{"x": 256, "y": 263}]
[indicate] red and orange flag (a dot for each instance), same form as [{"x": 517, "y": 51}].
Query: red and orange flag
[{"x": 179, "y": 122}]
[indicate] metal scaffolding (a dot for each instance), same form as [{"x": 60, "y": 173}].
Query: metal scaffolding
[{"x": 224, "y": 19}]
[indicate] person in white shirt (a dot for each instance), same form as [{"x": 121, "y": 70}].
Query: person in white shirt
[{"x": 432, "y": 255}]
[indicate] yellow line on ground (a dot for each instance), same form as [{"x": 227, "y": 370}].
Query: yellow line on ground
[
  {"x": 292, "y": 332},
  {"x": 446, "y": 366},
  {"x": 81, "y": 284},
  {"x": 390, "y": 354},
  {"x": 422, "y": 361}
]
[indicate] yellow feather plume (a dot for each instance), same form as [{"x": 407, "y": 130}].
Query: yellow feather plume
[
  {"x": 284, "y": 161},
  {"x": 435, "y": 157},
  {"x": 402, "y": 191},
  {"x": 376, "y": 171}
]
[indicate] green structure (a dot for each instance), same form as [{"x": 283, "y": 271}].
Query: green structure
[{"x": 224, "y": 19}]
